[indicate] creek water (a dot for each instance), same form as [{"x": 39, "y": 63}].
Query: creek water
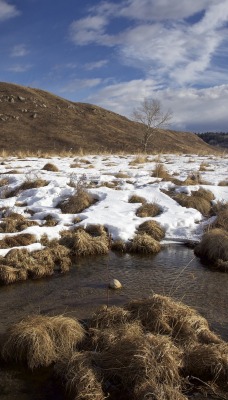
[{"x": 175, "y": 272}]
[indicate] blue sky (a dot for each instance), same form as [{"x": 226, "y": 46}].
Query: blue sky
[{"x": 116, "y": 53}]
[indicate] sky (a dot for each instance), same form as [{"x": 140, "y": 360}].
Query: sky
[{"x": 117, "y": 53}]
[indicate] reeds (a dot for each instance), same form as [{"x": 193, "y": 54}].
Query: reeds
[
  {"x": 153, "y": 229},
  {"x": 213, "y": 247},
  {"x": 144, "y": 244}
]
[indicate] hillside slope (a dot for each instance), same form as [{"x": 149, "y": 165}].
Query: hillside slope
[{"x": 32, "y": 119}]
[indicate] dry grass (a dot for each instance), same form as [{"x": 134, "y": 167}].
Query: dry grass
[
  {"x": 10, "y": 274},
  {"x": 122, "y": 175},
  {"x": 109, "y": 317},
  {"x": 148, "y": 210},
  {"x": 96, "y": 230},
  {"x": 223, "y": 183},
  {"x": 82, "y": 379},
  {"x": 140, "y": 159},
  {"x": 153, "y": 229},
  {"x": 119, "y": 245},
  {"x": 208, "y": 363},
  {"x": 40, "y": 340},
  {"x": 162, "y": 315},
  {"x": 144, "y": 244},
  {"x": 50, "y": 220},
  {"x": 82, "y": 243},
  {"x": 50, "y": 167},
  {"x": 23, "y": 239},
  {"x": 221, "y": 211},
  {"x": 213, "y": 248},
  {"x": 77, "y": 203},
  {"x": 203, "y": 193},
  {"x": 136, "y": 199},
  {"x": 15, "y": 223},
  {"x": 197, "y": 202},
  {"x": 160, "y": 172}
]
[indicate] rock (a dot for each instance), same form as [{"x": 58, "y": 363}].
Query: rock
[
  {"x": 21, "y": 98},
  {"x": 34, "y": 115},
  {"x": 115, "y": 284},
  {"x": 11, "y": 100}
]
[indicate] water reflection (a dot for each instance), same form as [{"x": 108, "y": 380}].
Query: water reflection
[{"x": 174, "y": 271}]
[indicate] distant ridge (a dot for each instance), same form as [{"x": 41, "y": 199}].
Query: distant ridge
[{"x": 33, "y": 119}]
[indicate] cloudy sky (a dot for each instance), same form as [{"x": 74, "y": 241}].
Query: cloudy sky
[{"x": 116, "y": 53}]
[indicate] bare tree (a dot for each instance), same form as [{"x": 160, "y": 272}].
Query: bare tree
[{"x": 150, "y": 114}]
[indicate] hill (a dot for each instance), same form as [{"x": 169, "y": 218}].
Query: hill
[
  {"x": 219, "y": 139},
  {"x": 33, "y": 119}
]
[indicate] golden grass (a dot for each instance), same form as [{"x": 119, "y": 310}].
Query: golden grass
[
  {"x": 86, "y": 245},
  {"x": 77, "y": 202},
  {"x": 148, "y": 210},
  {"x": 203, "y": 193},
  {"x": 82, "y": 379},
  {"x": 119, "y": 245},
  {"x": 144, "y": 244},
  {"x": 162, "y": 315},
  {"x": 153, "y": 229},
  {"x": 50, "y": 167},
  {"x": 109, "y": 317},
  {"x": 122, "y": 175},
  {"x": 136, "y": 199},
  {"x": 213, "y": 247},
  {"x": 223, "y": 183},
  {"x": 221, "y": 211},
  {"x": 208, "y": 362},
  {"x": 197, "y": 202},
  {"x": 10, "y": 274},
  {"x": 96, "y": 230},
  {"x": 15, "y": 223},
  {"x": 41, "y": 340},
  {"x": 160, "y": 172},
  {"x": 23, "y": 239},
  {"x": 140, "y": 159}
]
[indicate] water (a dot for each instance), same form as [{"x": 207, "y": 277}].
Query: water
[{"x": 174, "y": 272}]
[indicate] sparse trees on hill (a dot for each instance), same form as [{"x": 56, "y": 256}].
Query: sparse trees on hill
[{"x": 151, "y": 115}]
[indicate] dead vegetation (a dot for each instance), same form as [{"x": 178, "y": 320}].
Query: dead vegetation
[
  {"x": 144, "y": 244},
  {"x": 82, "y": 243},
  {"x": 150, "y": 347},
  {"x": 199, "y": 199},
  {"x": 153, "y": 229},
  {"x": 213, "y": 248},
  {"x": 50, "y": 167},
  {"x": 79, "y": 201},
  {"x": 148, "y": 210},
  {"x": 15, "y": 222},
  {"x": 161, "y": 172},
  {"x": 23, "y": 239},
  {"x": 41, "y": 340},
  {"x": 136, "y": 199},
  {"x": 221, "y": 211}
]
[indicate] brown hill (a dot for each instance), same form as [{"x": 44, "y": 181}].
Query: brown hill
[{"x": 32, "y": 120}]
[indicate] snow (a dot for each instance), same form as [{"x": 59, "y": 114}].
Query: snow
[{"x": 112, "y": 209}]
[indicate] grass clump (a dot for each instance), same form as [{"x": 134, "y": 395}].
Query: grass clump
[
  {"x": 140, "y": 159},
  {"x": 15, "y": 223},
  {"x": 148, "y": 210},
  {"x": 221, "y": 211},
  {"x": 213, "y": 248},
  {"x": 50, "y": 167},
  {"x": 160, "y": 172},
  {"x": 82, "y": 243},
  {"x": 153, "y": 229},
  {"x": 199, "y": 203},
  {"x": 136, "y": 199},
  {"x": 162, "y": 315},
  {"x": 79, "y": 201},
  {"x": 41, "y": 340},
  {"x": 10, "y": 274},
  {"x": 23, "y": 239},
  {"x": 144, "y": 244}
]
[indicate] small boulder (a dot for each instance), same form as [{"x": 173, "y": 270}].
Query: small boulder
[{"x": 115, "y": 284}]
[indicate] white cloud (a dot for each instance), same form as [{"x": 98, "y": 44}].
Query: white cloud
[
  {"x": 7, "y": 10},
  {"x": 175, "y": 50},
  {"x": 88, "y": 30},
  {"x": 79, "y": 84},
  {"x": 193, "y": 109},
  {"x": 19, "y": 50},
  {"x": 20, "y": 68},
  {"x": 95, "y": 65}
]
